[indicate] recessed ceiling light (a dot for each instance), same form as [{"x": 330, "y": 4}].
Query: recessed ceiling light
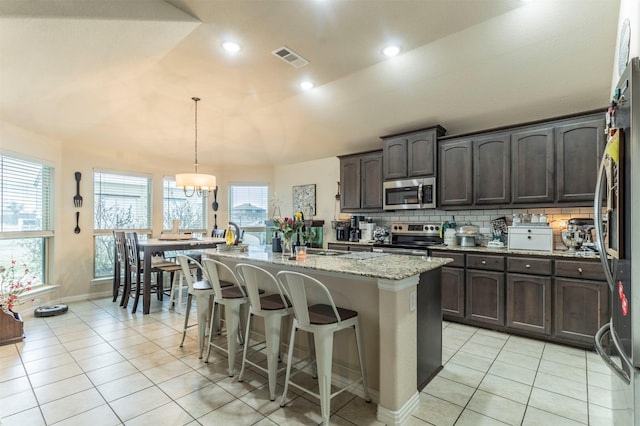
[
  {"x": 231, "y": 46},
  {"x": 391, "y": 51},
  {"x": 306, "y": 85}
]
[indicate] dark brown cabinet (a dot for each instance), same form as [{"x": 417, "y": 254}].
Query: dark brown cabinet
[
  {"x": 581, "y": 300},
  {"x": 453, "y": 283},
  {"x": 528, "y": 289},
  {"x": 455, "y": 175},
  {"x": 411, "y": 155},
  {"x": 492, "y": 169},
  {"x": 485, "y": 289},
  {"x": 532, "y": 165},
  {"x": 361, "y": 182},
  {"x": 579, "y": 147}
]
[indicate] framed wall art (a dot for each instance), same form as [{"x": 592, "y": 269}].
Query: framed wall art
[{"x": 304, "y": 200}]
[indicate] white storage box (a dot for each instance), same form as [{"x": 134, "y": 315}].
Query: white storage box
[{"x": 536, "y": 238}]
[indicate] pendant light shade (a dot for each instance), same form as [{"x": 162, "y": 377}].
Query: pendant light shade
[{"x": 195, "y": 183}]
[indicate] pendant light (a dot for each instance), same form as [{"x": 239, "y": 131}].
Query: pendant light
[{"x": 195, "y": 183}]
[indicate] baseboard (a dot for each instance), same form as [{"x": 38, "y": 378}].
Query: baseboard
[{"x": 400, "y": 416}]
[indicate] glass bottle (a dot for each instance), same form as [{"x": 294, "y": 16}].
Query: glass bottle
[{"x": 229, "y": 238}]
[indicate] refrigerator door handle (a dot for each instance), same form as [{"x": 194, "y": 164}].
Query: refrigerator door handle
[
  {"x": 604, "y": 330},
  {"x": 597, "y": 212}
]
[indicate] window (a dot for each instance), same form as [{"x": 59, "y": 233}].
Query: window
[
  {"x": 191, "y": 212},
  {"x": 26, "y": 222},
  {"x": 249, "y": 208},
  {"x": 121, "y": 201}
]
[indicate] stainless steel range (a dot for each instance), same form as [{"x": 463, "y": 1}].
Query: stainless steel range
[{"x": 411, "y": 238}]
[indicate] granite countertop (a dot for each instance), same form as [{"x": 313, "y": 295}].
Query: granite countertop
[
  {"x": 490, "y": 250},
  {"x": 366, "y": 264}
]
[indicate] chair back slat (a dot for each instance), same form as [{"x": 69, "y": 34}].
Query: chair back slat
[
  {"x": 214, "y": 269},
  {"x": 299, "y": 288},
  {"x": 131, "y": 241},
  {"x": 121, "y": 251},
  {"x": 187, "y": 273},
  {"x": 255, "y": 279}
]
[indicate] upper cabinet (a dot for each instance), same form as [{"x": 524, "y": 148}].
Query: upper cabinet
[
  {"x": 492, "y": 169},
  {"x": 544, "y": 164},
  {"x": 361, "y": 182},
  {"x": 455, "y": 173},
  {"x": 579, "y": 146},
  {"x": 412, "y": 154},
  {"x": 532, "y": 157}
]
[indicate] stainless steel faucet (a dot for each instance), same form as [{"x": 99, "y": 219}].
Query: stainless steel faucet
[{"x": 238, "y": 234}]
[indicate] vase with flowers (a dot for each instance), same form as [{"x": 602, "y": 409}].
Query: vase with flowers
[
  {"x": 288, "y": 227},
  {"x": 14, "y": 280}
]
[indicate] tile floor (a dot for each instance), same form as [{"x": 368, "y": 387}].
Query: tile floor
[{"x": 98, "y": 364}]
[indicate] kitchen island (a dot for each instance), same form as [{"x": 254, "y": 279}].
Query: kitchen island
[{"x": 398, "y": 299}]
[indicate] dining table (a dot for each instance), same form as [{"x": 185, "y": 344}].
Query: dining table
[{"x": 153, "y": 246}]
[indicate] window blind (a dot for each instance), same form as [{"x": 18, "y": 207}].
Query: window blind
[
  {"x": 191, "y": 212},
  {"x": 121, "y": 201},
  {"x": 26, "y": 192},
  {"x": 248, "y": 205}
]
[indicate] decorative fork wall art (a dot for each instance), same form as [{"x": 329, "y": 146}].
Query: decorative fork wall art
[{"x": 77, "y": 199}]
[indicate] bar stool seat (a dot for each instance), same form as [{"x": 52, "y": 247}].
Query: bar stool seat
[{"x": 323, "y": 320}]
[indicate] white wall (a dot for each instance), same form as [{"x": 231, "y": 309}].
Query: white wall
[{"x": 629, "y": 9}]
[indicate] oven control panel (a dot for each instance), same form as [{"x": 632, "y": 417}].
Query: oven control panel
[{"x": 416, "y": 228}]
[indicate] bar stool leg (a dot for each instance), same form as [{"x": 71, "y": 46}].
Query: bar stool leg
[
  {"x": 362, "y": 366},
  {"x": 186, "y": 319},
  {"x": 232, "y": 314},
  {"x": 272, "y": 335},
  {"x": 323, "y": 340},
  {"x": 246, "y": 346},
  {"x": 292, "y": 341},
  {"x": 202, "y": 305}
]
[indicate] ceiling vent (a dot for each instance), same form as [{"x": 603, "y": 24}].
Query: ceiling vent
[{"x": 290, "y": 57}]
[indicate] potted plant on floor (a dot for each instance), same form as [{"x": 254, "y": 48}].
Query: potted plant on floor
[{"x": 14, "y": 281}]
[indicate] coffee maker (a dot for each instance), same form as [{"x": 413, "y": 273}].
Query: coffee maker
[
  {"x": 354, "y": 226},
  {"x": 579, "y": 233},
  {"x": 342, "y": 231}
]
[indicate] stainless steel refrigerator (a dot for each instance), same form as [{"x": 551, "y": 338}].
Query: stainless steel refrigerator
[{"x": 617, "y": 213}]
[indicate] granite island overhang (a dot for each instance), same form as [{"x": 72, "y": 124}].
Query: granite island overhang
[{"x": 398, "y": 299}]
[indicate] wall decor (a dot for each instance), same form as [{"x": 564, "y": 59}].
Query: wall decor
[{"x": 304, "y": 199}]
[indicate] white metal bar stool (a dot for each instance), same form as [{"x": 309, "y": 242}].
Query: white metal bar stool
[
  {"x": 231, "y": 298},
  {"x": 272, "y": 306},
  {"x": 322, "y": 320},
  {"x": 203, "y": 291}
]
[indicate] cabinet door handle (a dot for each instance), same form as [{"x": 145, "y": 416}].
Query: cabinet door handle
[
  {"x": 527, "y": 266},
  {"x": 484, "y": 262},
  {"x": 528, "y": 237},
  {"x": 580, "y": 270}
]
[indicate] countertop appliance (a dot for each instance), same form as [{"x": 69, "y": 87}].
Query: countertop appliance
[
  {"x": 578, "y": 233},
  {"x": 354, "y": 228},
  {"x": 366, "y": 230},
  {"x": 619, "y": 245},
  {"x": 342, "y": 231},
  {"x": 419, "y": 193},
  {"x": 411, "y": 238}
]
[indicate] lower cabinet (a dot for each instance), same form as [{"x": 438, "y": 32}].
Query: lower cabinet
[
  {"x": 485, "y": 297},
  {"x": 529, "y": 303},
  {"x": 559, "y": 300},
  {"x": 581, "y": 308},
  {"x": 452, "y": 292}
]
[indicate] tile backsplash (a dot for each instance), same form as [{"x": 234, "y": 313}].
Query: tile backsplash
[{"x": 556, "y": 217}]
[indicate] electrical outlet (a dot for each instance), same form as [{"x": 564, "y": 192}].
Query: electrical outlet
[{"x": 412, "y": 301}]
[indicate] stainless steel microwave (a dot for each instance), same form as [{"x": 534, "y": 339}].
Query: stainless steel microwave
[{"x": 409, "y": 194}]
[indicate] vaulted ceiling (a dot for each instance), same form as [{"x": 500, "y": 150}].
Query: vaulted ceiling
[{"x": 121, "y": 73}]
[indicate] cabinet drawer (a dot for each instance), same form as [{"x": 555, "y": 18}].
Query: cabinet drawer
[
  {"x": 479, "y": 261},
  {"x": 528, "y": 265},
  {"x": 458, "y": 258},
  {"x": 577, "y": 269}
]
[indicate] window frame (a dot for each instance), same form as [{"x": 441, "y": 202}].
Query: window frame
[
  {"x": 143, "y": 233},
  {"x": 48, "y": 217}
]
